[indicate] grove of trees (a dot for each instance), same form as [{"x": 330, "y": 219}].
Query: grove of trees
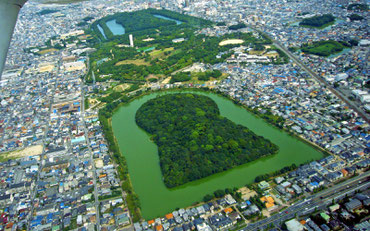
[
  {"x": 318, "y": 21},
  {"x": 194, "y": 141}
]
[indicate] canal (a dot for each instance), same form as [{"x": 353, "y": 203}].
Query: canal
[{"x": 143, "y": 161}]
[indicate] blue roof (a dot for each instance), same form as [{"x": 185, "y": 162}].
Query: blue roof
[
  {"x": 301, "y": 120},
  {"x": 314, "y": 183}
]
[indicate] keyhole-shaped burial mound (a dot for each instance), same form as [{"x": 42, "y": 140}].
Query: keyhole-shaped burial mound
[{"x": 194, "y": 141}]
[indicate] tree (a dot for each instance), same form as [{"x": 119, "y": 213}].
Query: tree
[
  {"x": 207, "y": 198},
  {"x": 194, "y": 141}
]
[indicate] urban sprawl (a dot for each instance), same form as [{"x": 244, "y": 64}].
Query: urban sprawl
[{"x": 57, "y": 173}]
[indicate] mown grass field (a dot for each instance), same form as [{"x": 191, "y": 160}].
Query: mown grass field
[{"x": 138, "y": 62}]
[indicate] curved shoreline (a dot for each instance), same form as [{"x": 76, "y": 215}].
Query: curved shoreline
[{"x": 206, "y": 90}]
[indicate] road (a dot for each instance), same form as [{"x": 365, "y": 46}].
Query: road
[
  {"x": 341, "y": 96},
  {"x": 42, "y": 156},
  {"x": 91, "y": 157},
  {"x": 344, "y": 98},
  {"x": 317, "y": 201}
]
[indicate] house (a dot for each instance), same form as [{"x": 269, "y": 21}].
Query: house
[
  {"x": 311, "y": 186},
  {"x": 334, "y": 208},
  {"x": 159, "y": 228},
  {"x": 220, "y": 222},
  {"x": 344, "y": 172},
  {"x": 297, "y": 189},
  {"x": 229, "y": 199},
  {"x": 269, "y": 201},
  {"x": 263, "y": 185},
  {"x": 294, "y": 225},
  {"x": 286, "y": 184},
  {"x": 203, "y": 227},
  {"x": 325, "y": 217},
  {"x": 279, "y": 179},
  {"x": 169, "y": 216},
  {"x": 228, "y": 210},
  {"x": 137, "y": 226},
  {"x": 353, "y": 204}
]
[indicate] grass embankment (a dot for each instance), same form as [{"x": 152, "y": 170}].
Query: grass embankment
[{"x": 131, "y": 198}]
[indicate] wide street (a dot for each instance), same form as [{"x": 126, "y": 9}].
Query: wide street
[
  {"x": 45, "y": 136},
  {"x": 341, "y": 96},
  {"x": 96, "y": 198},
  {"x": 317, "y": 201}
]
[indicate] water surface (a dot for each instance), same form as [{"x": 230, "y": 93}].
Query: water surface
[
  {"x": 116, "y": 28},
  {"x": 101, "y": 31},
  {"x": 143, "y": 161},
  {"x": 167, "y": 18}
]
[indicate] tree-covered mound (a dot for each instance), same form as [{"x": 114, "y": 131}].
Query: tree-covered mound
[
  {"x": 194, "y": 141},
  {"x": 324, "y": 48},
  {"x": 318, "y": 21},
  {"x": 145, "y": 21}
]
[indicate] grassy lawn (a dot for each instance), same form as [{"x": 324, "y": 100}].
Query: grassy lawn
[
  {"x": 138, "y": 62},
  {"x": 194, "y": 79},
  {"x": 159, "y": 53},
  {"x": 122, "y": 87}
]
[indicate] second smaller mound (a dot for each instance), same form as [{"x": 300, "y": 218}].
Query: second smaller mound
[{"x": 194, "y": 141}]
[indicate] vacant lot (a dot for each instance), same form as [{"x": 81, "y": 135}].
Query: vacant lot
[{"x": 29, "y": 151}]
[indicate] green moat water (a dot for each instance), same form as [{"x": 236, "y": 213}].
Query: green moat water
[{"x": 143, "y": 161}]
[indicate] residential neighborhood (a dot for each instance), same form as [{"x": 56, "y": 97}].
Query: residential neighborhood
[{"x": 57, "y": 171}]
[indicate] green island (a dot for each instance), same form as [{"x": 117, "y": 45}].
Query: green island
[
  {"x": 47, "y": 11},
  {"x": 355, "y": 17},
  {"x": 358, "y": 6},
  {"x": 319, "y": 22},
  {"x": 324, "y": 48},
  {"x": 194, "y": 141}
]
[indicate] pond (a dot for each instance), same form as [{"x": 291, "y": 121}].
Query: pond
[
  {"x": 143, "y": 161},
  {"x": 167, "y": 18},
  {"x": 116, "y": 28}
]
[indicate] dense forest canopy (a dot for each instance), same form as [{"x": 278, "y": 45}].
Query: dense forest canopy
[
  {"x": 155, "y": 53},
  {"x": 358, "y": 6},
  {"x": 144, "y": 21},
  {"x": 194, "y": 141},
  {"x": 318, "y": 21},
  {"x": 324, "y": 48}
]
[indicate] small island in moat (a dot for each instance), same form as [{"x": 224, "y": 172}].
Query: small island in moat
[
  {"x": 194, "y": 141},
  {"x": 320, "y": 21}
]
